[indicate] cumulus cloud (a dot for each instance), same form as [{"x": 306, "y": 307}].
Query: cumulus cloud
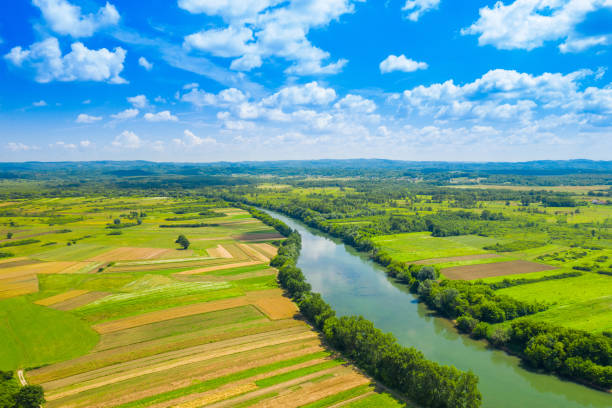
[
  {"x": 401, "y": 63},
  {"x": 191, "y": 140},
  {"x": 138, "y": 101},
  {"x": 163, "y": 116},
  {"x": 64, "y": 145},
  {"x": 356, "y": 103},
  {"x": 85, "y": 118},
  {"x": 528, "y": 24},
  {"x": 127, "y": 140},
  {"x": 67, "y": 19},
  {"x": 39, "y": 104},
  {"x": 142, "y": 61},
  {"x": 259, "y": 29},
  {"x": 507, "y": 95},
  {"x": 80, "y": 64},
  {"x": 416, "y": 8},
  {"x": 200, "y": 98},
  {"x": 309, "y": 94},
  {"x": 19, "y": 147},
  {"x": 85, "y": 143},
  {"x": 126, "y": 114}
]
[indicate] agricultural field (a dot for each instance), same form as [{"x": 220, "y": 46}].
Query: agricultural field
[
  {"x": 102, "y": 308},
  {"x": 488, "y": 234}
]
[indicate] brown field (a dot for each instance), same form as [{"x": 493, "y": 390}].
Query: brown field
[
  {"x": 36, "y": 268},
  {"x": 267, "y": 249},
  {"x": 140, "y": 254},
  {"x": 15, "y": 262},
  {"x": 253, "y": 254},
  {"x": 62, "y": 297},
  {"x": 469, "y": 272},
  {"x": 454, "y": 259},
  {"x": 219, "y": 252},
  {"x": 277, "y": 308},
  {"x": 19, "y": 285},
  {"x": 79, "y": 301}
]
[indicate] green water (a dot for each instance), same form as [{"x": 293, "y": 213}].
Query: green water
[{"x": 354, "y": 285}]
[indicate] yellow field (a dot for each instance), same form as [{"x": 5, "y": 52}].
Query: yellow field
[{"x": 62, "y": 297}]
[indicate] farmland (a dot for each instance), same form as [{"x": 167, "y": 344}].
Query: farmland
[{"x": 118, "y": 315}]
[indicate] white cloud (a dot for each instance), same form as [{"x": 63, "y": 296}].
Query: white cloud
[
  {"x": 308, "y": 94},
  {"x": 19, "y": 147},
  {"x": 80, "y": 64},
  {"x": 191, "y": 140},
  {"x": 138, "y": 101},
  {"x": 127, "y": 140},
  {"x": 258, "y": 29},
  {"x": 85, "y": 118},
  {"x": 40, "y": 103},
  {"x": 142, "y": 61},
  {"x": 85, "y": 143},
  {"x": 126, "y": 114},
  {"x": 163, "y": 116},
  {"x": 528, "y": 24},
  {"x": 417, "y": 8},
  {"x": 356, "y": 103},
  {"x": 401, "y": 63},
  {"x": 87, "y": 102},
  {"x": 67, "y": 19},
  {"x": 226, "y": 97},
  {"x": 64, "y": 145}
]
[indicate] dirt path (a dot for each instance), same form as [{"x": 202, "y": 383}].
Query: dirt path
[{"x": 21, "y": 377}]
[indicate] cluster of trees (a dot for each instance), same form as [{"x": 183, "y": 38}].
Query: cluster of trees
[
  {"x": 506, "y": 283},
  {"x": 189, "y": 225},
  {"x": 514, "y": 246},
  {"x": 14, "y": 396},
  {"x": 19, "y": 243},
  {"x": 401, "y": 368},
  {"x": 571, "y": 353},
  {"x": 182, "y": 241},
  {"x": 559, "y": 201}
]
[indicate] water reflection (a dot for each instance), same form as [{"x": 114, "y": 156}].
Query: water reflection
[{"x": 354, "y": 285}]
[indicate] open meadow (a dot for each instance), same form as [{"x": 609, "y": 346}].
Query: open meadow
[{"x": 101, "y": 307}]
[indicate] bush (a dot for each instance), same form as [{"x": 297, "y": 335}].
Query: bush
[
  {"x": 480, "y": 330},
  {"x": 466, "y": 324},
  {"x": 500, "y": 336}
]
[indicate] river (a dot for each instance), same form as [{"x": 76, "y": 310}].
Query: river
[{"x": 354, "y": 285}]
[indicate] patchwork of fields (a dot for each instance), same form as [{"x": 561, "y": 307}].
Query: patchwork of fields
[{"x": 105, "y": 311}]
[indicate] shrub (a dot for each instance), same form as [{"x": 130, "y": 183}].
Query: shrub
[
  {"x": 466, "y": 323},
  {"x": 480, "y": 330}
]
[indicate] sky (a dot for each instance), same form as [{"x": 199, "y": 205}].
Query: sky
[{"x": 235, "y": 80}]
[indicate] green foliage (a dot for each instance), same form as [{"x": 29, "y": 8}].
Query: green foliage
[
  {"x": 182, "y": 241},
  {"x": 19, "y": 243},
  {"x": 30, "y": 396},
  {"x": 193, "y": 225},
  {"x": 514, "y": 246},
  {"x": 6, "y": 255}
]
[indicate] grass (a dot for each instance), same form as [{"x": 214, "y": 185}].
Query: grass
[
  {"x": 376, "y": 400},
  {"x": 49, "y": 335},
  {"x": 421, "y": 245},
  {"x": 341, "y": 396}
]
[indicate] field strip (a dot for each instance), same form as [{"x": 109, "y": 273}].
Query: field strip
[
  {"x": 176, "y": 363},
  {"x": 455, "y": 259},
  {"x": 61, "y": 297},
  {"x": 277, "y": 308},
  {"x": 41, "y": 267},
  {"x": 129, "y": 254},
  {"x": 127, "y": 353},
  {"x": 256, "y": 392},
  {"x": 219, "y": 252},
  {"x": 219, "y": 268},
  {"x": 488, "y": 270},
  {"x": 309, "y": 393},
  {"x": 350, "y": 401},
  {"x": 154, "y": 387},
  {"x": 14, "y": 262},
  {"x": 173, "y": 355},
  {"x": 255, "y": 255},
  {"x": 80, "y": 301},
  {"x": 218, "y": 396},
  {"x": 165, "y": 261},
  {"x": 168, "y": 314},
  {"x": 267, "y": 249}
]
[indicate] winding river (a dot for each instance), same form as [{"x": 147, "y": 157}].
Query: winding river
[{"x": 354, "y": 285}]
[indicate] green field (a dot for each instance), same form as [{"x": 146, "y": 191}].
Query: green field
[{"x": 206, "y": 336}]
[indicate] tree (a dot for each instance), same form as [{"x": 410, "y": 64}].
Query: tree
[
  {"x": 183, "y": 241},
  {"x": 30, "y": 396},
  {"x": 116, "y": 221},
  {"x": 9, "y": 235}
]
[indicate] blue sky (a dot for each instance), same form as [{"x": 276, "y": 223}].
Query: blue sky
[{"x": 210, "y": 80}]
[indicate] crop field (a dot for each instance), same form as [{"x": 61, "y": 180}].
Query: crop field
[
  {"x": 487, "y": 270},
  {"x": 107, "y": 311}
]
